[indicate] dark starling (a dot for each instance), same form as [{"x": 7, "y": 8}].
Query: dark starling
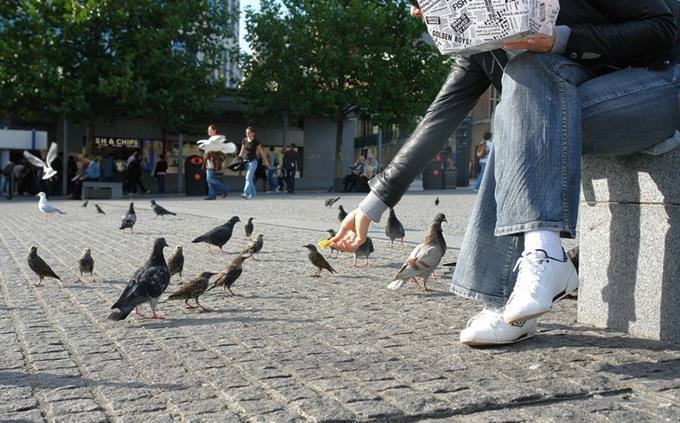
[
  {"x": 425, "y": 258},
  {"x": 129, "y": 219},
  {"x": 254, "y": 247},
  {"x": 85, "y": 203},
  {"x": 394, "y": 229},
  {"x": 176, "y": 262},
  {"x": 318, "y": 260},
  {"x": 86, "y": 263},
  {"x": 99, "y": 209},
  {"x": 39, "y": 267},
  {"x": 146, "y": 285},
  {"x": 436, "y": 201},
  {"x": 219, "y": 235},
  {"x": 342, "y": 214},
  {"x": 159, "y": 210},
  {"x": 364, "y": 251},
  {"x": 332, "y": 234},
  {"x": 331, "y": 201},
  {"x": 227, "y": 277},
  {"x": 249, "y": 227},
  {"x": 193, "y": 289}
]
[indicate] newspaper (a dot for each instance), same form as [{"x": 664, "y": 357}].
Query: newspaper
[{"x": 473, "y": 26}]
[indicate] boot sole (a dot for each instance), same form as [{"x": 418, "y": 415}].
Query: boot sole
[{"x": 473, "y": 343}]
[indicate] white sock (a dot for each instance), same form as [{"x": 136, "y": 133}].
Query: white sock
[{"x": 548, "y": 241}]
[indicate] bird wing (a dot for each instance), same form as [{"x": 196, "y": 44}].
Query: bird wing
[
  {"x": 227, "y": 277},
  {"x": 34, "y": 160},
  {"x": 423, "y": 260},
  {"x": 217, "y": 139},
  {"x": 51, "y": 154},
  {"x": 195, "y": 285},
  {"x": 39, "y": 266},
  {"x": 324, "y": 264},
  {"x": 155, "y": 280}
]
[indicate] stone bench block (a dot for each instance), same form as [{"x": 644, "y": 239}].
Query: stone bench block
[
  {"x": 630, "y": 245},
  {"x": 102, "y": 190}
]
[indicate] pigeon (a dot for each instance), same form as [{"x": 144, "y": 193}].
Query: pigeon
[
  {"x": 254, "y": 247},
  {"x": 436, "y": 201},
  {"x": 342, "y": 214},
  {"x": 394, "y": 229},
  {"x": 425, "y": 258},
  {"x": 193, "y": 289},
  {"x": 45, "y": 207},
  {"x": 227, "y": 277},
  {"x": 99, "y": 209},
  {"x": 39, "y": 267},
  {"x": 176, "y": 262},
  {"x": 219, "y": 235},
  {"x": 249, "y": 227},
  {"x": 364, "y": 251},
  {"x": 85, "y": 203},
  {"x": 48, "y": 171},
  {"x": 86, "y": 263},
  {"x": 146, "y": 285},
  {"x": 331, "y": 234},
  {"x": 318, "y": 260},
  {"x": 331, "y": 201},
  {"x": 129, "y": 219},
  {"x": 159, "y": 210}
]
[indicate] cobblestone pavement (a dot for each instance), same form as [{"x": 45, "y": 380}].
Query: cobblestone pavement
[{"x": 289, "y": 347}]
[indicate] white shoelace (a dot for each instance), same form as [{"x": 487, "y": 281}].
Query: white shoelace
[{"x": 531, "y": 269}]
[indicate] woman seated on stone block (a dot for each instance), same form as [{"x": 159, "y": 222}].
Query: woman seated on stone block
[{"x": 606, "y": 82}]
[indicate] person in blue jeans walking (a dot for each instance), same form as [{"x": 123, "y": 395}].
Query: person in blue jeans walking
[
  {"x": 251, "y": 149},
  {"x": 606, "y": 82},
  {"x": 213, "y": 163},
  {"x": 482, "y": 152}
]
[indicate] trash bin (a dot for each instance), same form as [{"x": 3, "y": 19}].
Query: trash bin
[
  {"x": 194, "y": 176},
  {"x": 450, "y": 178},
  {"x": 433, "y": 177}
]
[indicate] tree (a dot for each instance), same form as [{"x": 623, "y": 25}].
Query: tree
[
  {"x": 334, "y": 57},
  {"x": 91, "y": 61}
]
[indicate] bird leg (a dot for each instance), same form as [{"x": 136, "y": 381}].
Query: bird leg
[
  {"x": 209, "y": 250},
  {"x": 402, "y": 243},
  {"x": 415, "y": 281},
  {"x": 317, "y": 274},
  {"x": 232, "y": 294},
  {"x": 425, "y": 288},
  {"x": 187, "y": 305},
  {"x": 199, "y": 305},
  {"x": 354, "y": 262},
  {"x": 154, "y": 316},
  {"x": 137, "y": 313},
  {"x": 366, "y": 266},
  {"x": 435, "y": 275}
]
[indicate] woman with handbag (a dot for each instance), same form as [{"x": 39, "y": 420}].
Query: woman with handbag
[{"x": 251, "y": 149}]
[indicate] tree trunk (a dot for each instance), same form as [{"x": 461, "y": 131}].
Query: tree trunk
[
  {"x": 89, "y": 138},
  {"x": 339, "y": 129}
]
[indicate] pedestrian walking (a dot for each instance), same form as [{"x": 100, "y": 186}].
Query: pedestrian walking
[
  {"x": 251, "y": 150},
  {"x": 606, "y": 82},
  {"x": 213, "y": 161},
  {"x": 134, "y": 173},
  {"x": 482, "y": 152},
  {"x": 272, "y": 159},
  {"x": 291, "y": 164}
]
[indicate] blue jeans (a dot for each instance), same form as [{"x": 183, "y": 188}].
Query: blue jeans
[
  {"x": 533, "y": 175},
  {"x": 271, "y": 180},
  {"x": 482, "y": 166},
  {"x": 215, "y": 184},
  {"x": 249, "y": 189}
]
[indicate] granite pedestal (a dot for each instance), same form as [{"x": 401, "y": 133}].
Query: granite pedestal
[{"x": 630, "y": 245}]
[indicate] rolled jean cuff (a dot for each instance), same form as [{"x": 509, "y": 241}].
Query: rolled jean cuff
[
  {"x": 486, "y": 299},
  {"x": 373, "y": 207},
  {"x": 504, "y": 230}
]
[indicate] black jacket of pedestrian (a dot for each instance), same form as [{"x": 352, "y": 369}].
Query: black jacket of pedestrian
[{"x": 291, "y": 159}]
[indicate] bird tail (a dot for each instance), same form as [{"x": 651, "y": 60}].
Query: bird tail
[
  {"x": 199, "y": 239},
  {"x": 172, "y": 213},
  {"x": 120, "y": 314},
  {"x": 395, "y": 284},
  {"x": 60, "y": 212}
]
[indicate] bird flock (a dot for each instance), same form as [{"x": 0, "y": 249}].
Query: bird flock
[{"x": 150, "y": 281}]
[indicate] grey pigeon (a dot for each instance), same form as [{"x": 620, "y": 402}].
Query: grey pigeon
[
  {"x": 99, "y": 209},
  {"x": 176, "y": 262},
  {"x": 39, "y": 267},
  {"x": 364, "y": 251},
  {"x": 394, "y": 229},
  {"x": 249, "y": 227},
  {"x": 425, "y": 258},
  {"x": 342, "y": 214},
  {"x": 129, "y": 219},
  {"x": 227, "y": 277},
  {"x": 318, "y": 260},
  {"x": 332, "y": 234},
  {"x": 86, "y": 263},
  {"x": 219, "y": 235},
  {"x": 161, "y": 211},
  {"x": 85, "y": 203},
  {"x": 331, "y": 201},
  {"x": 193, "y": 289},
  {"x": 254, "y": 247},
  {"x": 146, "y": 285}
]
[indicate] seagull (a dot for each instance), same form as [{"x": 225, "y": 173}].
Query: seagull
[
  {"x": 45, "y": 207},
  {"x": 48, "y": 172},
  {"x": 425, "y": 258},
  {"x": 217, "y": 143}
]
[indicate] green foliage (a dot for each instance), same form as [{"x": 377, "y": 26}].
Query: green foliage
[
  {"x": 330, "y": 57},
  {"x": 95, "y": 60}
]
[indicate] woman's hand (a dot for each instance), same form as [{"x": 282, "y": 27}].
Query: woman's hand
[
  {"x": 353, "y": 232},
  {"x": 415, "y": 11},
  {"x": 534, "y": 43}
]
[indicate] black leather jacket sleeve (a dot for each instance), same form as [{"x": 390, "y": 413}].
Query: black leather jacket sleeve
[
  {"x": 635, "y": 33},
  {"x": 467, "y": 81}
]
